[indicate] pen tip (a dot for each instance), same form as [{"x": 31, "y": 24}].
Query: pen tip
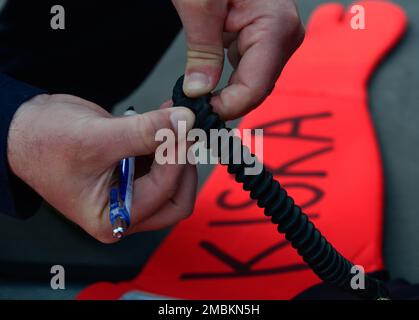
[{"x": 118, "y": 235}]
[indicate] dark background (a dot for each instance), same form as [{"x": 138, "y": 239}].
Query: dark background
[{"x": 29, "y": 249}]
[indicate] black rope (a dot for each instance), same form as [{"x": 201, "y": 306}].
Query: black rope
[{"x": 326, "y": 262}]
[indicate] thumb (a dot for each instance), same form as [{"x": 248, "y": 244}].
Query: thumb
[
  {"x": 203, "y": 21},
  {"x": 136, "y": 135}
]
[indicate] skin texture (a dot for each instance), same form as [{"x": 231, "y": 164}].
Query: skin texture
[
  {"x": 259, "y": 35},
  {"x": 67, "y": 148},
  {"x": 74, "y": 146}
]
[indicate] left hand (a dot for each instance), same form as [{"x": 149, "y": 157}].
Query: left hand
[
  {"x": 67, "y": 148},
  {"x": 261, "y": 35}
]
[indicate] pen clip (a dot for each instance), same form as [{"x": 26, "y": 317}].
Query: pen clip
[{"x": 118, "y": 214}]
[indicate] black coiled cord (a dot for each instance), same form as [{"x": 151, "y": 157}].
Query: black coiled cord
[{"x": 326, "y": 262}]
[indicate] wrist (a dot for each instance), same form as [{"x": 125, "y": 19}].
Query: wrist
[{"x": 20, "y": 144}]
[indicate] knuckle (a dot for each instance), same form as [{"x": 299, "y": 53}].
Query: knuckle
[
  {"x": 295, "y": 28},
  {"x": 301, "y": 34},
  {"x": 208, "y": 55}
]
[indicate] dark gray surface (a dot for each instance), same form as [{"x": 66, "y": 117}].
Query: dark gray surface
[{"x": 47, "y": 239}]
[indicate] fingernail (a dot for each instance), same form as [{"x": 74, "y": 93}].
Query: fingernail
[
  {"x": 181, "y": 116},
  {"x": 196, "y": 83}
]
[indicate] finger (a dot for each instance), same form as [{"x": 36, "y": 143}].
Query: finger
[
  {"x": 136, "y": 135},
  {"x": 253, "y": 80},
  {"x": 203, "y": 21},
  {"x": 267, "y": 40},
  {"x": 233, "y": 54},
  {"x": 155, "y": 189},
  {"x": 162, "y": 183},
  {"x": 176, "y": 209},
  {"x": 167, "y": 104},
  {"x": 150, "y": 193}
]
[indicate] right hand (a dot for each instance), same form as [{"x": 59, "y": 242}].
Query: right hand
[
  {"x": 260, "y": 35},
  {"x": 67, "y": 149}
]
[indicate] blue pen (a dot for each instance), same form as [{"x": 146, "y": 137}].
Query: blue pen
[{"x": 120, "y": 198}]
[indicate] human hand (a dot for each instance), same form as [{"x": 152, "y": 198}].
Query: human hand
[
  {"x": 261, "y": 35},
  {"x": 67, "y": 148}
]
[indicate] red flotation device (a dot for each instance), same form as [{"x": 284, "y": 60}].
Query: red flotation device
[{"x": 320, "y": 143}]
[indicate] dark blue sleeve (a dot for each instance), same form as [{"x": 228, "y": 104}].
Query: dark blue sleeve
[{"x": 16, "y": 198}]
